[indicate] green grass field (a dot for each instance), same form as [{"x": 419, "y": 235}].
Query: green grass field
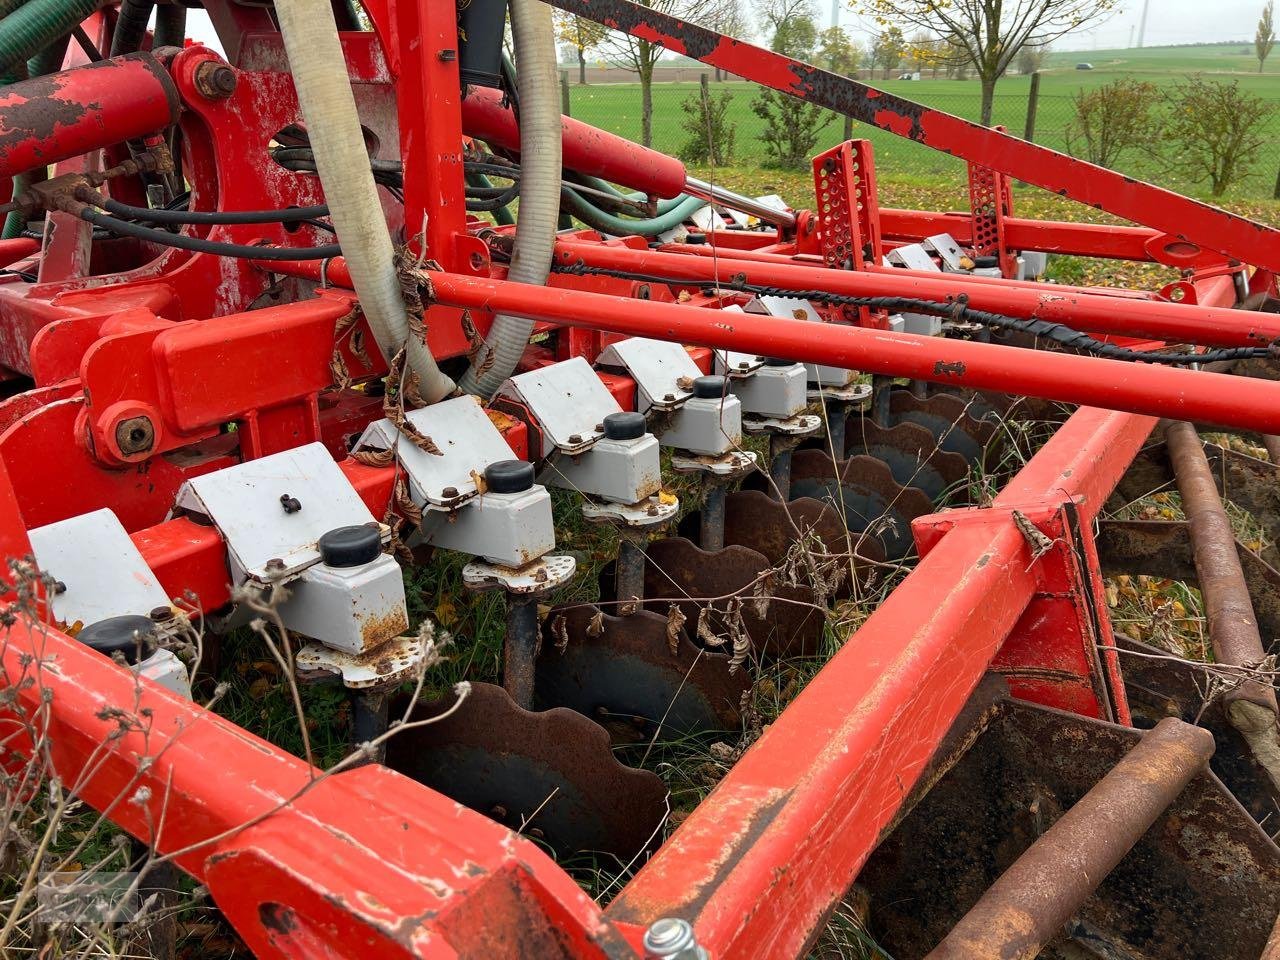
[{"x": 616, "y": 107}]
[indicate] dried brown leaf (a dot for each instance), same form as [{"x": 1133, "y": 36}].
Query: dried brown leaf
[{"x": 675, "y": 623}]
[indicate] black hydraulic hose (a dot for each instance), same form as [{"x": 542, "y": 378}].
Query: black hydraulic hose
[
  {"x": 957, "y": 310},
  {"x": 126, "y": 229},
  {"x": 131, "y": 26},
  {"x": 288, "y": 215},
  {"x": 171, "y": 27}
]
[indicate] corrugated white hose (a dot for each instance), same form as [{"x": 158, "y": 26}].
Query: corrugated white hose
[
  {"x": 540, "y": 173},
  {"x": 329, "y": 107}
]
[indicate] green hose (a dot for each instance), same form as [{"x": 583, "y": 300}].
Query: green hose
[
  {"x": 37, "y": 24},
  {"x": 664, "y": 206},
  {"x": 50, "y": 59},
  {"x": 597, "y": 219}
]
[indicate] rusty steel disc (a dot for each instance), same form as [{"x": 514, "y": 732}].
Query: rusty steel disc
[
  {"x": 911, "y": 453},
  {"x": 549, "y": 774},
  {"x": 681, "y": 572},
  {"x": 948, "y": 418},
  {"x": 863, "y": 490},
  {"x": 627, "y": 678}
]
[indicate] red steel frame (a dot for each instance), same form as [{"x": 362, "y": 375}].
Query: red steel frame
[{"x": 366, "y": 862}]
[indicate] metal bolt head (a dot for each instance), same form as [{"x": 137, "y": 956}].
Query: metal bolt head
[
  {"x": 449, "y": 492},
  {"x": 669, "y": 397},
  {"x": 161, "y": 614},
  {"x": 214, "y": 80},
  {"x": 290, "y": 504},
  {"x": 671, "y": 939},
  {"x": 135, "y": 435},
  {"x": 575, "y": 438}
]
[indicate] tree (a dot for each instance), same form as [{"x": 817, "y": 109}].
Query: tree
[
  {"x": 886, "y": 51},
  {"x": 1265, "y": 38},
  {"x": 1218, "y": 130},
  {"x": 581, "y": 34},
  {"x": 1112, "y": 120},
  {"x": 1031, "y": 57},
  {"x": 837, "y": 52},
  {"x": 711, "y": 134},
  {"x": 989, "y": 33},
  {"x": 791, "y": 125},
  {"x": 641, "y": 56}
]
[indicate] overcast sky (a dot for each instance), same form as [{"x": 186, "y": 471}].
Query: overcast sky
[{"x": 1168, "y": 22}]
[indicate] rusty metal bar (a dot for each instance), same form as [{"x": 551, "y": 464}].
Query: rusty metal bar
[
  {"x": 1031, "y": 901},
  {"x": 1233, "y": 628}
]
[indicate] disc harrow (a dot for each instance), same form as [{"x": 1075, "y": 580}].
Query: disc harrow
[{"x": 687, "y": 566}]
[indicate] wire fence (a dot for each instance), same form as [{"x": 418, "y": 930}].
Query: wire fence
[{"x": 617, "y": 107}]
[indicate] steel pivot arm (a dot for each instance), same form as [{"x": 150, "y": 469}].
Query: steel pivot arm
[{"x": 1186, "y": 221}]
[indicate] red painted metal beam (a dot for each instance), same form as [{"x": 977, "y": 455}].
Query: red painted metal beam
[
  {"x": 1138, "y": 388},
  {"x": 366, "y": 863},
  {"x": 63, "y": 115},
  {"x": 815, "y": 792},
  {"x": 1199, "y": 223},
  {"x": 1171, "y": 322}
]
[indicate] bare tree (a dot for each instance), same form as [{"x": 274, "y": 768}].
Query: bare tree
[
  {"x": 989, "y": 33},
  {"x": 1265, "y": 38},
  {"x": 581, "y": 34},
  {"x": 1219, "y": 132},
  {"x": 642, "y": 56},
  {"x": 1115, "y": 119}
]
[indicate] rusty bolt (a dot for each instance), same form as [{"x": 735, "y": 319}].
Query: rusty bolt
[
  {"x": 575, "y": 438},
  {"x": 161, "y": 614},
  {"x": 290, "y": 504},
  {"x": 448, "y": 56},
  {"x": 670, "y": 397},
  {"x": 274, "y": 565},
  {"x": 135, "y": 435},
  {"x": 449, "y": 492},
  {"x": 214, "y": 80}
]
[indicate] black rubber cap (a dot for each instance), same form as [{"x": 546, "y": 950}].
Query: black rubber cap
[
  {"x": 625, "y": 426},
  {"x": 779, "y": 362},
  {"x": 985, "y": 263},
  {"x": 509, "y": 476},
  {"x": 351, "y": 546},
  {"x": 709, "y": 388},
  {"x": 119, "y": 635},
  {"x": 696, "y": 239}
]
